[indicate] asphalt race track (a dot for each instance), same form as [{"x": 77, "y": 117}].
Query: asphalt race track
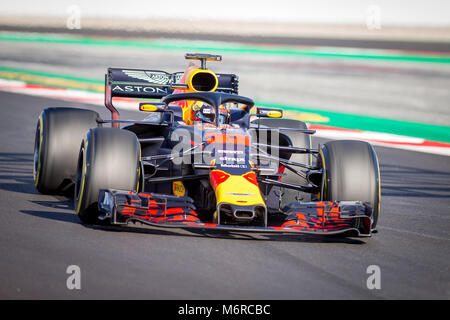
[{"x": 40, "y": 236}]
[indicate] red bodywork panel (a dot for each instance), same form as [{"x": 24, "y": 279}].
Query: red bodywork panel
[{"x": 171, "y": 211}]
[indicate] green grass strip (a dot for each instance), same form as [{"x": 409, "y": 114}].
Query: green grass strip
[
  {"x": 50, "y": 75},
  {"x": 223, "y": 47},
  {"x": 377, "y": 124},
  {"x": 51, "y": 79}
]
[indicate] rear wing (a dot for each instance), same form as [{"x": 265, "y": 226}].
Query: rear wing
[
  {"x": 152, "y": 84},
  {"x": 137, "y": 83}
]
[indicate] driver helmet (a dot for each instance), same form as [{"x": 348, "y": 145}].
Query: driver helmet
[{"x": 206, "y": 114}]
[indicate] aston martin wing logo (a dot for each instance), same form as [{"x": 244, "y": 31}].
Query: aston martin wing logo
[{"x": 160, "y": 78}]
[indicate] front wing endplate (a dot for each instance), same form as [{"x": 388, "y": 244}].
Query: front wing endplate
[{"x": 325, "y": 218}]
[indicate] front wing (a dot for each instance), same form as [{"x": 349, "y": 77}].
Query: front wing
[{"x": 324, "y": 218}]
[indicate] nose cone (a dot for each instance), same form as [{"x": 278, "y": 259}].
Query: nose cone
[{"x": 236, "y": 189}]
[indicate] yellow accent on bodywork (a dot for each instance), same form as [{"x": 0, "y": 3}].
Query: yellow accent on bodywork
[
  {"x": 178, "y": 189},
  {"x": 274, "y": 114},
  {"x": 324, "y": 175},
  {"x": 139, "y": 172},
  {"x": 148, "y": 107},
  {"x": 237, "y": 190},
  {"x": 83, "y": 177},
  {"x": 194, "y": 72}
]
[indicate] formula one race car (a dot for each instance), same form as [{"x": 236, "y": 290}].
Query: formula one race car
[{"x": 200, "y": 159}]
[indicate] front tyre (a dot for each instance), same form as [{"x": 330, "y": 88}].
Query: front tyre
[
  {"x": 109, "y": 158},
  {"x": 351, "y": 173}
]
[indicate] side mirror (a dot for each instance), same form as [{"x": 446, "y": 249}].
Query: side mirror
[
  {"x": 152, "y": 106},
  {"x": 269, "y": 113}
]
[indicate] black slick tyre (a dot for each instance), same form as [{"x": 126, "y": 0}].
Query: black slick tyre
[
  {"x": 109, "y": 158},
  {"x": 351, "y": 173},
  {"x": 59, "y": 133}
]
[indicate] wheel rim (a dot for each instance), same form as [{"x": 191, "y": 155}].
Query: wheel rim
[{"x": 78, "y": 178}]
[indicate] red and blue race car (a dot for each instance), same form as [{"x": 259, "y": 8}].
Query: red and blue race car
[{"x": 201, "y": 158}]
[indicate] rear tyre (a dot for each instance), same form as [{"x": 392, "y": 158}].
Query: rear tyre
[
  {"x": 351, "y": 173},
  {"x": 298, "y": 140},
  {"x": 109, "y": 158},
  {"x": 58, "y": 137}
]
